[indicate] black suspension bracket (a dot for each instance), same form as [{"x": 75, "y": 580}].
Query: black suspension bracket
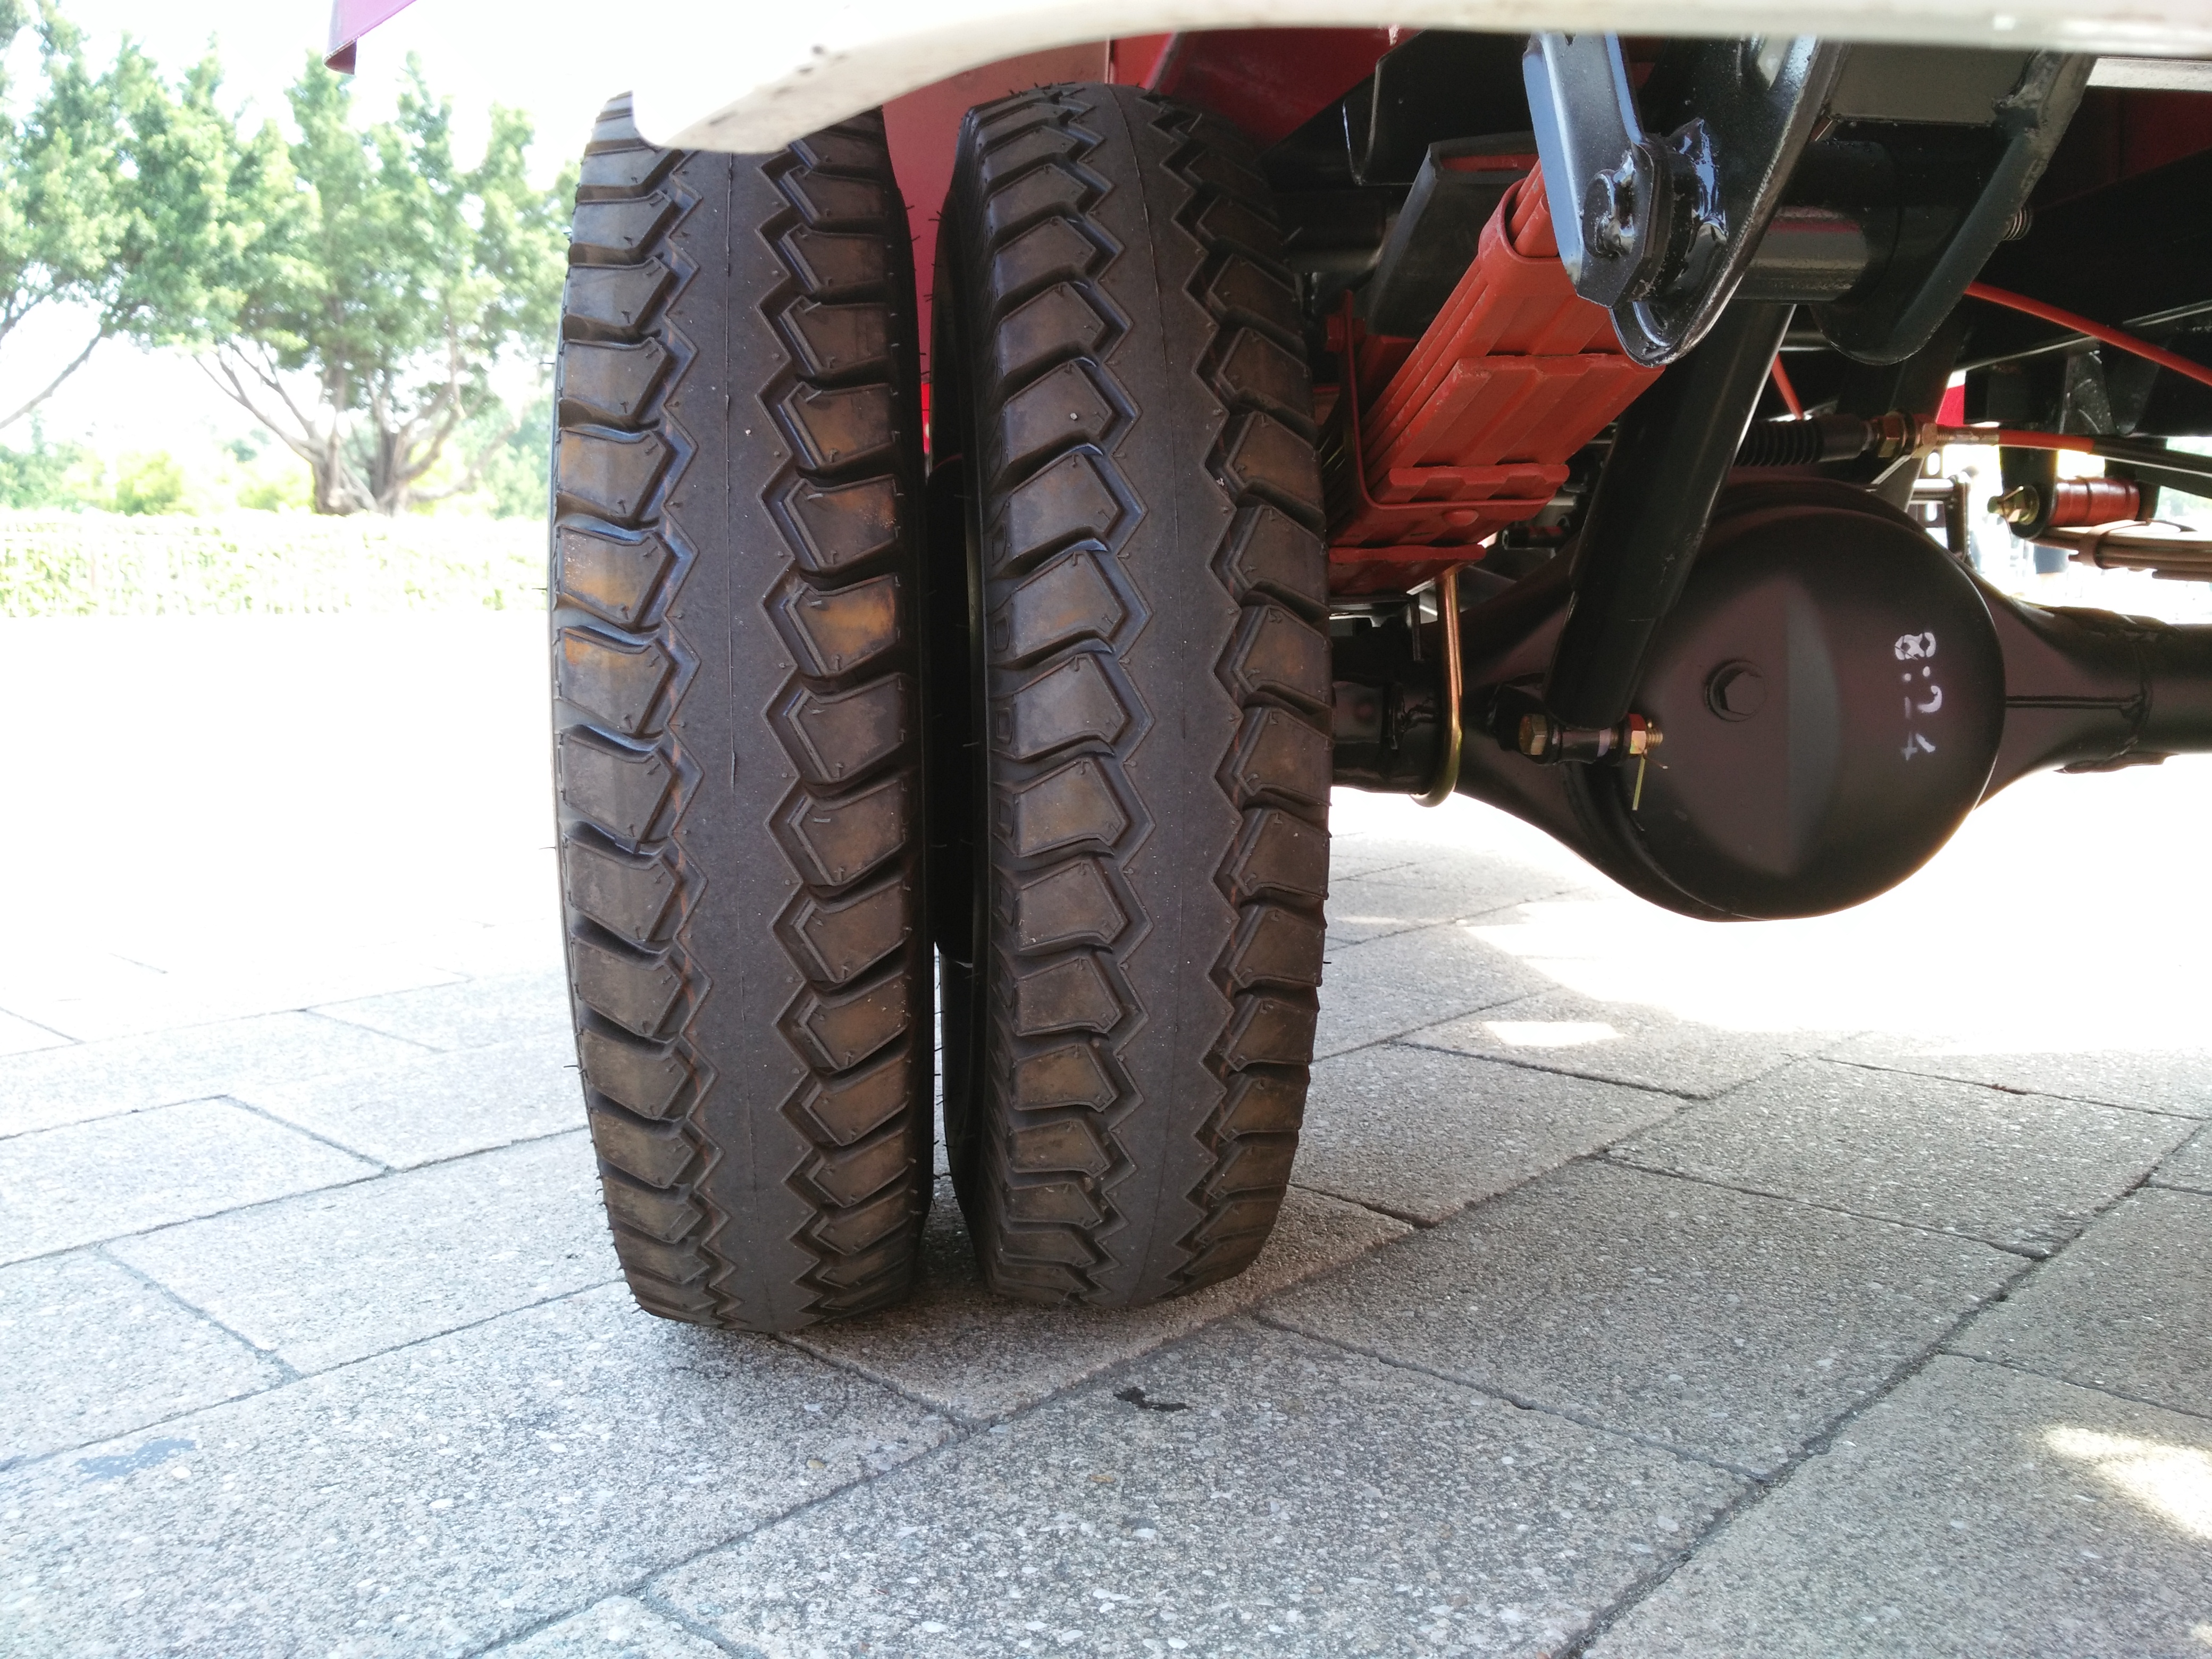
[
  {"x": 1647, "y": 516},
  {"x": 1662, "y": 229},
  {"x": 1871, "y": 182}
]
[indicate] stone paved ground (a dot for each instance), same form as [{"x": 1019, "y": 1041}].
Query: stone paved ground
[{"x": 1649, "y": 1288}]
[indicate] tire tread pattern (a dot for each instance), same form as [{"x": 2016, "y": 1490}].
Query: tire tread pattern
[
  {"x": 675, "y": 1099},
  {"x": 1068, "y": 1200}
]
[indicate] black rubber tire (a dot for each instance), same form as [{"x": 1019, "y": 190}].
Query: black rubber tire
[
  {"x": 735, "y": 571},
  {"x": 1121, "y": 400}
]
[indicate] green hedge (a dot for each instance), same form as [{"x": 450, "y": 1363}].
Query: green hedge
[{"x": 104, "y": 564}]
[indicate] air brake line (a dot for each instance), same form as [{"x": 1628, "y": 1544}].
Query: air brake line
[
  {"x": 1789, "y": 399},
  {"x": 2094, "y": 331}
]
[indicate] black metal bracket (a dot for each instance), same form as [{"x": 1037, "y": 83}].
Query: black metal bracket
[
  {"x": 1661, "y": 230},
  {"x": 1647, "y": 516},
  {"x": 1962, "y": 187}
]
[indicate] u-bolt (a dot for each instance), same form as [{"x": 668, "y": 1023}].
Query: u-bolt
[{"x": 1447, "y": 777}]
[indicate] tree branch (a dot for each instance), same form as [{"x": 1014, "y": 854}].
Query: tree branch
[
  {"x": 54, "y": 384},
  {"x": 474, "y": 475}
]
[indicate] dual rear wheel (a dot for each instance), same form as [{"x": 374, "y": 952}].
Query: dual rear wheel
[{"x": 1053, "y": 721}]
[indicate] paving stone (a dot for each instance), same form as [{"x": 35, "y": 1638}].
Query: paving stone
[
  {"x": 1977, "y": 1510},
  {"x": 93, "y": 1351},
  {"x": 438, "y": 1105},
  {"x": 86, "y": 1182},
  {"x": 528, "y": 1007},
  {"x": 1621, "y": 1042},
  {"x": 617, "y": 1628},
  {"x": 2024, "y": 1171},
  {"x": 1399, "y": 898},
  {"x": 2126, "y": 1308},
  {"x": 236, "y": 1057},
  {"x": 333, "y": 1277},
  {"x": 1732, "y": 1326},
  {"x": 978, "y": 1356},
  {"x": 1421, "y": 1134},
  {"x": 527, "y": 943},
  {"x": 1351, "y": 858},
  {"x": 2145, "y": 1079},
  {"x": 1245, "y": 1492},
  {"x": 2189, "y": 1167},
  {"x": 207, "y": 991},
  {"x": 1398, "y": 983},
  {"x": 1370, "y": 832},
  {"x": 18, "y": 1036},
  {"x": 439, "y": 1499}
]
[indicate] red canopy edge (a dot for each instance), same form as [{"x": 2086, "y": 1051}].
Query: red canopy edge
[{"x": 349, "y": 21}]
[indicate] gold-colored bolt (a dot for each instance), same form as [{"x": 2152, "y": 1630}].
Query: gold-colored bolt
[
  {"x": 2019, "y": 505},
  {"x": 1536, "y": 733}
]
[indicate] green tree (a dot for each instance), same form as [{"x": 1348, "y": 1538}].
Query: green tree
[
  {"x": 518, "y": 478},
  {"x": 119, "y": 194},
  {"x": 149, "y": 484},
  {"x": 383, "y": 288},
  {"x": 41, "y": 475}
]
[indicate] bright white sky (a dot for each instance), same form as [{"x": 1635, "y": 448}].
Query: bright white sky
[{"x": 475, "y": 51}]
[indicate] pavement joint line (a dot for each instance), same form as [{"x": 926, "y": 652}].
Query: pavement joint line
[
  {"x": 856, "y": 1367},
  {"x": 1401, "y": 1041},
  {"x": 1383, "y": 869},
  {"x": 301, "y": 1129},
  {"x": 640, "y": 1588},
  {"x": 2076, "y": 1383},
  {"x": 288, "y": 1372},
  {"x": 1820, "y": 1445},
  {"x": 965, "y": 1430},
  {"x": 1468, "y": 918},
  {"x": 1399, "y": 1036},
  {"x": 853, "y": 1367},
  {"x": 1760, "y": 1490},
  {"x": 67, "y": 1040},
  {"x": 654, "y": 1602},
  {"x": 107, "y": 1239},
  {"x": 323, "y": 1011},
  {"x": 263, "y": 1111},
  {"x": 2025, "y": 1094},
  {"x": 297, "y": 1377},
  {"x": 1621, "y": 1160},
  {"x": 2170, "y": 1184},
  {"x": 109, "y": 1117},
  {"x": 1519, "y": 1064},
  {"x": 580, "y": 1129},
  {"x": 380, "y": 1173},
  {"x": 401, "y": 1168},
  {"x": 1519, "y": 1402},
  {"x": 1372, "y": 1208}
]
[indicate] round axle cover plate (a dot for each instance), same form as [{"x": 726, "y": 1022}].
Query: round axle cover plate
[{"x": 1830, "y": 692}]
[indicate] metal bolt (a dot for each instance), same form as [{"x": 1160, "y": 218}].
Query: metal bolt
[
  {"x": 1535, "y": 734},
  {"x": 1735, "y": 691},
  {"x": 1609, "y": 211},
  {"x": 2022, "y": 505}
]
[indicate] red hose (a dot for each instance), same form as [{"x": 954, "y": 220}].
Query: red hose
[
  {"x": 2081, "y": 325},
  {"x": 1788, "y": 392}
]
